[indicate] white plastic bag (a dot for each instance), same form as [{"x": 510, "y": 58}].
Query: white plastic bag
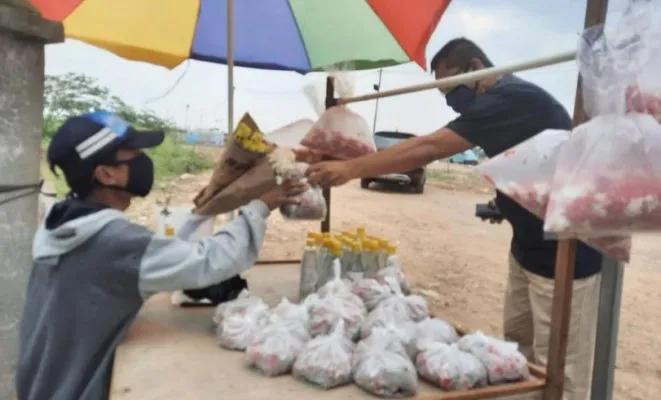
[
  {"x": 619, "y": 65},
  {"x": 326, "y": 360},
  {"x": 432, "y": 330},
  {"x": 380, "y": 317},
  {"x": 312, "y": 205},
  {"x": 379, "y": 338},
  {"x": 383, "y": 372},
  {"x": 412, "y": 305},
  {"x": 328, "y": 311},
  {"x": 450, "y": 368},
  {"x": 239, "y": 331},
  {"x": 243, "y": 302},
  {"x": 608, "y": 178},
  {"x": 503, "y": 361},
  {"x": 292, "y": 312},
  {"x": 525, "y": 174},
  {"x": 273, "y": 353},
  {"x": 371, "y": 292},
  {"x": 393, "y": 269},
  {"x": 339, "y": 133}
]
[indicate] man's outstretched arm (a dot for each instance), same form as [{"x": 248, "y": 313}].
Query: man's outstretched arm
[{"x": 410, "y": 154}]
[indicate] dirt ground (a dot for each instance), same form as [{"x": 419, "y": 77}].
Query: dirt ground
[{"x": 460, "y": 262}]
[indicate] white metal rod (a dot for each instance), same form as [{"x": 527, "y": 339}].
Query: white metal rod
[
  {"x": 230, "y": 78},
  {"x": 467, "y": 77}
]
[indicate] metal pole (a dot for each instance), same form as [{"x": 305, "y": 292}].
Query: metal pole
[
  {"x": 230, "y": 77},
  {"x": 377, "y": 87},
  {"x": 467, "y": 78},
  {"x": 608, "y": 325}
]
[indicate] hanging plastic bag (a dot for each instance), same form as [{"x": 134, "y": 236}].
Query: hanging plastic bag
[
  {"x": 241, "y": 305},
  {"x": 384, "y": 372},
  {"x": 608, "y": 178},
  {"x": 619, "y": 66},
  {"x": 273, "y": 353},
  {"x": 339, "y": 132},
  {"x": 371, "y": 292},
  {"x": 326, "y": 360},
  {"x": 239, "y": 331},
  {"x": 433, "y": 330},
  {"x": 312, "y": 205},
  {"x": 450, "y": 368},
  {"x": 525, "y": 174},
  {"x": 503, "y": 361}
]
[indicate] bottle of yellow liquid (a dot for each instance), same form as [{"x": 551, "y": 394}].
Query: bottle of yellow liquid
[{"x": 309, "y": 275}]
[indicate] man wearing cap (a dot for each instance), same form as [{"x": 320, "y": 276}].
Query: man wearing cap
[{"x": 93, "y": 268}]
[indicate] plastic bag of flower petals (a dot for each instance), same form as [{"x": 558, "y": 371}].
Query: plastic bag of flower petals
[
  {"x": 503, "y": 361},
  {"x": 326, "y": 359}
]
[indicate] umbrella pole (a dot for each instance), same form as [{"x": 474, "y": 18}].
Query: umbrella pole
[
  {"x": 330, "y": 102},
  {"x": 230, "y": 78}
]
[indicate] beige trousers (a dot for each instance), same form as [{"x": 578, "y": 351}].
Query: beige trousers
[{"x": 527, "y": 321}]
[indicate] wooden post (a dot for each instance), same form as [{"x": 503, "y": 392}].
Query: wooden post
[
  {"x": 595, "y": 14},
  {"x": 331, "y": 101}
]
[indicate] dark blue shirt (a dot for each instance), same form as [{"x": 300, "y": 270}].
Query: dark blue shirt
[{"x": 507, "y": 114}]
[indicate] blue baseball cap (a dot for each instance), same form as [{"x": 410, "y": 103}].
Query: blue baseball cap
[
  {"x": 89, "y": 138},
  {"x": 86, "y": 141}
]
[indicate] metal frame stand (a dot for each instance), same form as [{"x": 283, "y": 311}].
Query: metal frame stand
[{"x": 608, "y": 325}]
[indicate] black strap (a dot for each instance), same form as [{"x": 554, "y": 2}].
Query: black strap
[{"x": 28, "y": 189}]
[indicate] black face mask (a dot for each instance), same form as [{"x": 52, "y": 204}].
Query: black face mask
[{"x": 141, "y": 175}]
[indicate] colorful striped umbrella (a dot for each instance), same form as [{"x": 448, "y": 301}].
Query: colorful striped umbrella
[{"x": 297, "y": 35}]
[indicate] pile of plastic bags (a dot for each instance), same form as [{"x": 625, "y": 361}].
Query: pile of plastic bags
[
  {"x": 363, "y": 332},
  {"x": 601, "y": 182}
]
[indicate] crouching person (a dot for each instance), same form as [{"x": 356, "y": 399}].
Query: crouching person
[{"x": 93, "y": 268}]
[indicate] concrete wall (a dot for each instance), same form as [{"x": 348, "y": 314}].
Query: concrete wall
[{"x": 22, "y": 38}]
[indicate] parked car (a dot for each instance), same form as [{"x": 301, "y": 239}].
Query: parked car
[
  {"x": 413, "y": 179},
  {"x": 467, "y": 157}
]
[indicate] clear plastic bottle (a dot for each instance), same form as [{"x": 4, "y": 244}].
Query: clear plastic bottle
[{"x": 309, "y": 269}]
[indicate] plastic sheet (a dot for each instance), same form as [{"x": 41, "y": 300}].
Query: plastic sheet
[
  {"x": 450, "y": 368},
  {"x": 326, "y": 360}
]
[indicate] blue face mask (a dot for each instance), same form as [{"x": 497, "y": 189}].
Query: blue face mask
[{"x": 461, "y": 98}]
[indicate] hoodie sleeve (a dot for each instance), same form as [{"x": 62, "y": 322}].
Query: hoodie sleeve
[{"x": 173, "y": 264}]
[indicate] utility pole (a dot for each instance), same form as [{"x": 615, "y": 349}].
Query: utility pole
[{"x": 23, "y": 35}]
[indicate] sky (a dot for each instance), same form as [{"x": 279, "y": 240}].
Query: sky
[{"x": 194, "y": 94}]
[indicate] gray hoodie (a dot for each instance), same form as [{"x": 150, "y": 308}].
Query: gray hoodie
[{"x": 92, "y": 271}]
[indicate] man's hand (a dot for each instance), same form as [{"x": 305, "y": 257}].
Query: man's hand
[
  {"x": 329, "y": 173},
  {"x": 303, "y": 154},
  {"x": 287, "y": 193}
]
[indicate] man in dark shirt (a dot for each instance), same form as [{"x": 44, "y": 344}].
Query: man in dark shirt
[{"x": 496, "y": 114}]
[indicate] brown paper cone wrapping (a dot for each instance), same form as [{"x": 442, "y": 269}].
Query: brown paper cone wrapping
[
  {"x": 233, "y": 163},
  {"x": 254, "y": 183}
]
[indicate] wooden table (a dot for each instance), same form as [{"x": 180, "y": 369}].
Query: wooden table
[{"x": 170, "y": 353}]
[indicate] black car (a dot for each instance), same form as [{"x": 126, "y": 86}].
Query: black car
[{"x": 413, "y": 179}]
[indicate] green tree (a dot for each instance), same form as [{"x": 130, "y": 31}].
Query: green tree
[{"x": 73, "y": 94}]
